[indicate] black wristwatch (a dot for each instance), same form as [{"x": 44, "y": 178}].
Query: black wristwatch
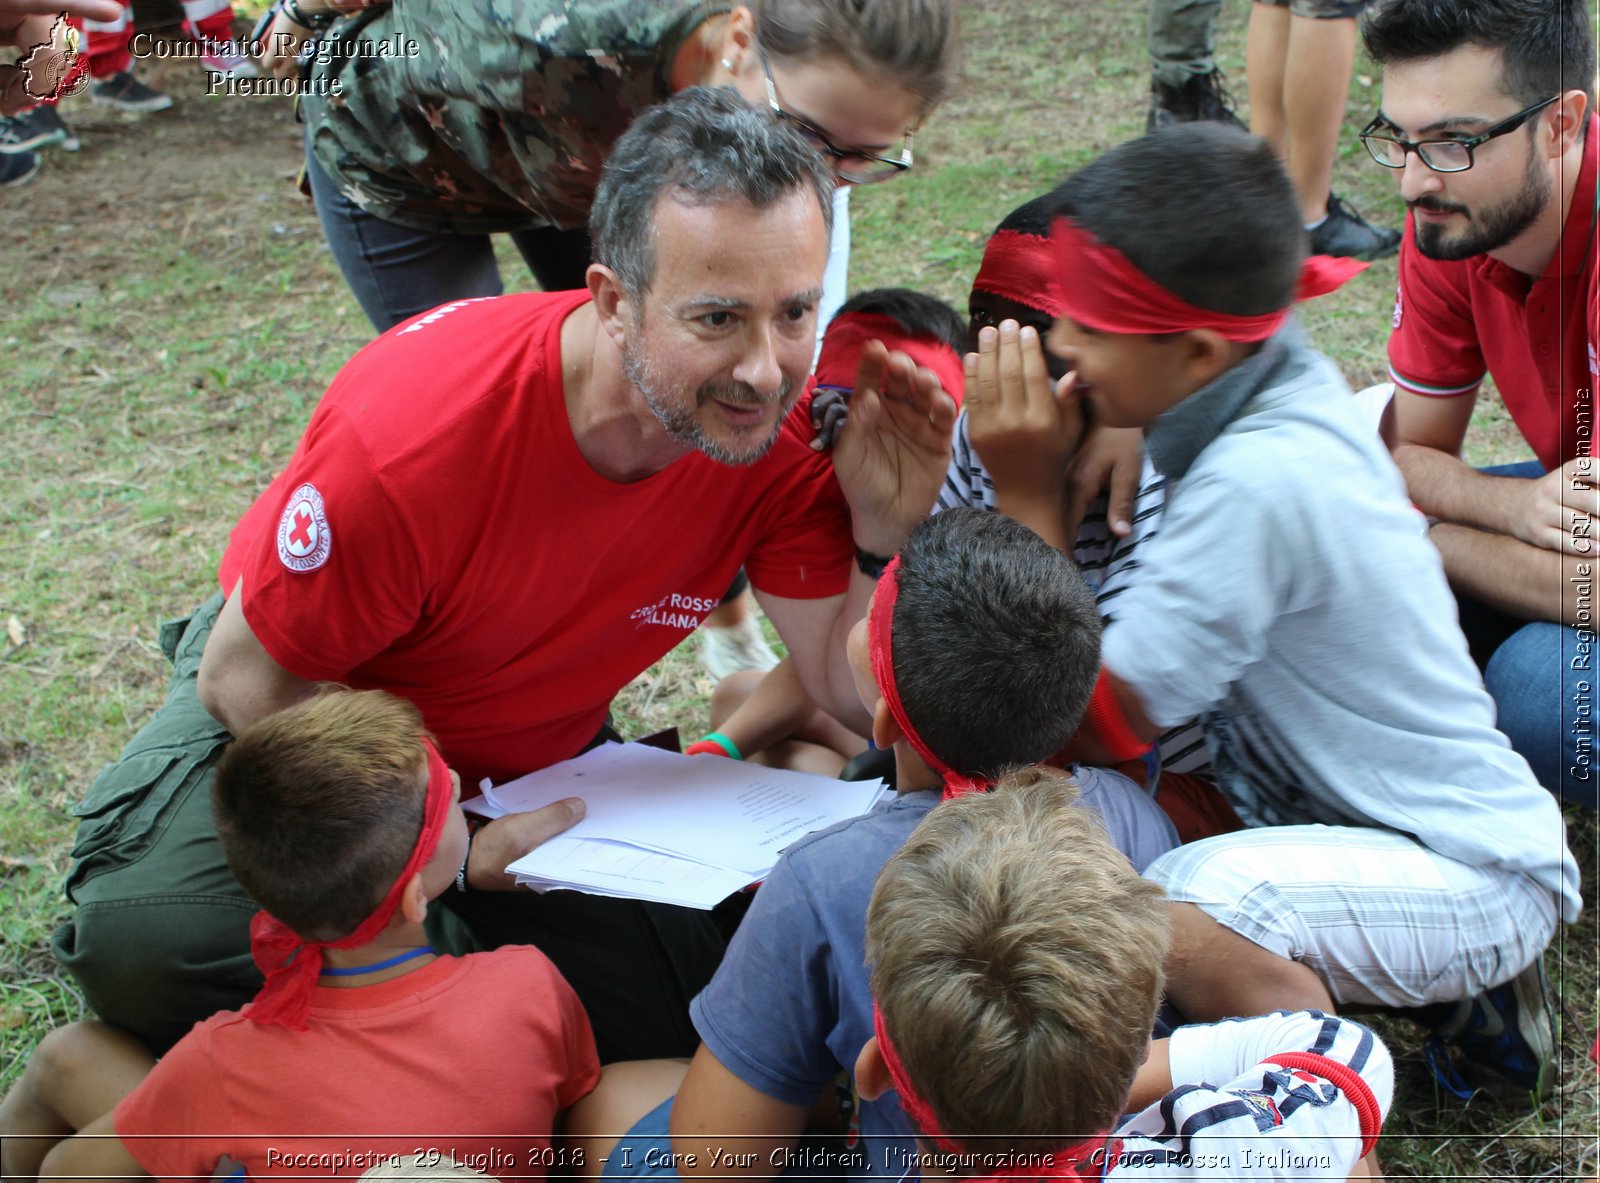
[{"x": 870, "y": 564}]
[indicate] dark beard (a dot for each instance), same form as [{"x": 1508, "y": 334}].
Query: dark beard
[
  {"x": 683, "y": 424},
  {"x": 1489, "y": 230}
]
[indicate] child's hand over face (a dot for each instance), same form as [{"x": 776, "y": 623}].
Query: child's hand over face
[
  {"x": 1023, "y": 426},
  {"x": 1109, "y": 460}
]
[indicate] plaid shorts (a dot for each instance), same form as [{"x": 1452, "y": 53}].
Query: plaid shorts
[{"x": 1381, "y": 919}]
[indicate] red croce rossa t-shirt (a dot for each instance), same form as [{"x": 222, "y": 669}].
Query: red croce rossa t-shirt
[{"x": 438, "y": 534}]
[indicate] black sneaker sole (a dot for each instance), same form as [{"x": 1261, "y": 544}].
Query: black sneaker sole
[
  {"x": 44, "y": 139},
  {"x": 23, "y": 177}
]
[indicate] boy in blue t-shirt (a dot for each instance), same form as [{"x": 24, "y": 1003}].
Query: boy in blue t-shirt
[
  {"x": 978, "y": 655},
  {"x": 1016, "y": 965}
]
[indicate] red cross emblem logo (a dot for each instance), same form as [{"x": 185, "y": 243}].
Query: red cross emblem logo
[{"x": 303, "y": 536}]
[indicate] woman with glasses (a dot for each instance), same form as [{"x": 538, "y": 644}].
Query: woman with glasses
[{"x": 432, "y": 125}]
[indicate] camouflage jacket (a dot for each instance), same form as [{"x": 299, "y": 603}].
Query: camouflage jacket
[{"x": 490, "y": 115}]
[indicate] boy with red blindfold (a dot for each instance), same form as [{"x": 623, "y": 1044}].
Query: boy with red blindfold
[
  {"x": 1104, "y": 528},
  {"x": 340, "y": 816},
  {"x": 977, "y": 656},
  {"x": 1400, "y": 853},
  {"x": 1016, "y": 963}
]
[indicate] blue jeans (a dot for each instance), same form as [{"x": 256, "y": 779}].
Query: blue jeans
[
  {"x": 1542, "y": 678},
  {"x": 397, "y": 272}
]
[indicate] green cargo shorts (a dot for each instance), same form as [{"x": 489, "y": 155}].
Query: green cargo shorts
[
  {"x": 161, "y": 933},
  {"x": 160, "y": 938}
]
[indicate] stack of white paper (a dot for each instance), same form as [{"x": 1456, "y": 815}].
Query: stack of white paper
[{"x": 687, "y": 830}]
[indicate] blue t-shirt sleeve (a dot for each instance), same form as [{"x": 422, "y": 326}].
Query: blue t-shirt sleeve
[
  {"x": 1136, "y": 825},
  {"x": 767, "y": 1013}
]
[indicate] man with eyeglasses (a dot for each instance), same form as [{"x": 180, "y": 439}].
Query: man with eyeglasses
[{"x": 1488, "y": 122}]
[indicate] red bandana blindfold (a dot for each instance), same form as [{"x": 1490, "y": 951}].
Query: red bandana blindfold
[
  {"x": 1087, "y": 1159},
  {"x": 1021, "y": 268},
  {"x": 1100, "y": 289},
  {"x": 292, "y": 964},
  {"x": 880, "y": 629},
  {"x": 847, "y": 336}
]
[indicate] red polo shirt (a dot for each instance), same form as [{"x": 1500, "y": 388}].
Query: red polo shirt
[{"x": 1456, "y": 320}]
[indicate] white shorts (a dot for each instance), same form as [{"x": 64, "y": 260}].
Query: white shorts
[{"x": 1381, "y": 919}]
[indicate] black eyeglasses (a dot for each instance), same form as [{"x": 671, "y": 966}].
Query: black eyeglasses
[
  {"x": 1442, "y": 156},
  {"x": 850, "y": 165}
]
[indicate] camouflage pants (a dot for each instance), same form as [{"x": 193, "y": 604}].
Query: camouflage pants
[
  {"x": 1182, "y": 39},
  {"x": 396, "y": 272}
]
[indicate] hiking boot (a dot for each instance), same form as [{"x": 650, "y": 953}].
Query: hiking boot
[
  {"x": 18, "y": 168},
  {"x": 1345, "y": 232},
  {"x": 39, "y": 128},
  {"x": 126, "y": 93},
  {"x": 1202, "y": 97},
  {"x": 1505, "y": 1038}
]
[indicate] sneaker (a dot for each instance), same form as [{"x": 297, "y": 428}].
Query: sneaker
[
  {"x": 229, "y": 64},
  {"x": 1202, "y": 97},
  {"x": 40, "y": 127},
  {"x": 739, "y": 647},
  {"x": 18, "y": 168},
  {"x": 126, "y": 93},
  {"x": 1505, "y": 1038},
  {"x": 1345, "y": 232}
]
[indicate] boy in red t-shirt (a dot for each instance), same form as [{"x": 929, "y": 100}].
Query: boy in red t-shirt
[{"x": 340, "y": 815}]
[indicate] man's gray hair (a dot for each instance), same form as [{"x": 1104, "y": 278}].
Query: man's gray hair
[{"x": 702, "y": 146}]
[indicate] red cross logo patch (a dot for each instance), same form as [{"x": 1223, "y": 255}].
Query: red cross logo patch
[{"x": 303, "y": 535}]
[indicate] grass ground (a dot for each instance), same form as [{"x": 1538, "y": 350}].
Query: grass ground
[{"x": 172, "y": 317}]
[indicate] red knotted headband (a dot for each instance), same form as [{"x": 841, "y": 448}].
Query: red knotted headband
[
  {"x": 1021, "y": 268},
  {"x": 292, "y": 963},
  {"x": 1087, "y": 1158},
  {"x": 1100, "y": 289},
  {"x": 848, "y": 334},
  {"x": 880, "y": 629}
]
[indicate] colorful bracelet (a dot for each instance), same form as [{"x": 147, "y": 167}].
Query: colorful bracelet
[
  {"x": 714, "y": 743},
  {"x": 1348, "y": 1081}
]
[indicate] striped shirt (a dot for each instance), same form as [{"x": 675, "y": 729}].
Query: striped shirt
[{"x": 1108, "y": 563}]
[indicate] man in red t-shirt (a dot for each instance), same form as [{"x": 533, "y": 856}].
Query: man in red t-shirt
[
  {"x": 505, "y": 510},
  {"x": 1488, "y": 119}
]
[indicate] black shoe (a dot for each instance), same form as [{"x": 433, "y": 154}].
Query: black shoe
[
  {"x": 39, "y": 128},
  {"x": 1345, "y": 232},
  {"x": 1202, "y": 97},
  {"x": 18, "y": 168},
  {"x": 126, "y": 93}
]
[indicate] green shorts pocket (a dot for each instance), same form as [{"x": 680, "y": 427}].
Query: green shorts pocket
[{"x": 130, "y": 804}]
